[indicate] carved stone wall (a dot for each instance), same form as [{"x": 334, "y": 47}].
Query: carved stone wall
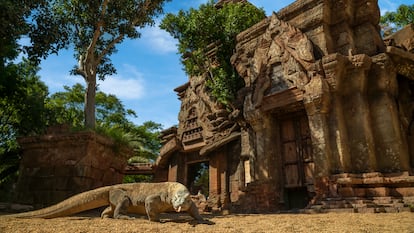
[
  {"x": 58, "y": 165},
  {"x": 327, "y": 114},
  {"x": 206, "y": 133},
  {"x": 325, "y": 57}
]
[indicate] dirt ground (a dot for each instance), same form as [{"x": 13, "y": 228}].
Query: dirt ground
[{"x": 329, "y": 222}]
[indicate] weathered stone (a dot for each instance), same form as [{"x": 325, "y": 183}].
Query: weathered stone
[
  {"x": 61, "y": 164},
  {"x": 326, "y": 114}
]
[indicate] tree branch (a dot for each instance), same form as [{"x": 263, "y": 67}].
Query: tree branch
[
  {"x": 111, "y": 45},
  {"x": 89, "y": 56}
]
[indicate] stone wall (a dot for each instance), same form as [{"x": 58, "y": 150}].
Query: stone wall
[
  {"x": 327, "y": 59},
  {"x": 57, "y": 166},
  {"x": 326, "y": 115},
  {"x": 257, "y": 197}
]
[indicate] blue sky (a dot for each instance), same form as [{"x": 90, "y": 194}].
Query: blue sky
[{"x": 149, "y": 68}]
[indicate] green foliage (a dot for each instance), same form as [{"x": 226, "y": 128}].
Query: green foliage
[
  {"x": 112, "y": 120},
  {"x": 22, "y": 94},
  {"x": 22, "y": 112},
  {"x": 137, "y": 178},
  {"x": 394, "y": 21},
  {"x": 202, "y": 179},
  {"x": 67, "y": 107},
  {"x": 197, "y": 30},
  {"x": 93, "y": 29},
  {"x": 13, "y": 26},
  {"x": 145, "y": 141}
]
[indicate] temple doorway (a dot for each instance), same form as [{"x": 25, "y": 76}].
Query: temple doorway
[
  {"x": 297, "y": 159},
  {"x": 198, "y": 178}
]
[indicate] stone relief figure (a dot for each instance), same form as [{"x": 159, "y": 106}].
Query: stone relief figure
[{"x": 280, "y": 45}]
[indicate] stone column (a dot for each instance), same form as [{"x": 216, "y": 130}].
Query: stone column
[
  {"x": 254, "y": 117},
  {"x": 247, "y": 155},
  {"x": 334, "y": 69},
  {"x": 261, "y": 171},
  {"x": 353, "y": 91},
  {"x": 390, "y": 143},
  {"x": 317, "y": 104},
  {"x": 214, "y": 199}
]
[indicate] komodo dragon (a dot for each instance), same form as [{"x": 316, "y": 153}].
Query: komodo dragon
[{"x": 141, "y": 198}]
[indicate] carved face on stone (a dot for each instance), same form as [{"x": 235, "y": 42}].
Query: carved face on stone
[{"x": 181, "y": 201}]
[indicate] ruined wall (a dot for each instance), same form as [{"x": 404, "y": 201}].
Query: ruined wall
[
  {"x": 326, "y": 58},
  {"x": 321, "y": 85},
  {"x": 57, "y": 166}
]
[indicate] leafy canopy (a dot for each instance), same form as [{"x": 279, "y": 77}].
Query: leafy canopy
[
  {"x": 22, "y": 112},
  {"x": 394, "y": 21},
  {"x": 66, "y": 107},
  {"x": 92, "y": 28},
  {"x": 200, "y": 30}
]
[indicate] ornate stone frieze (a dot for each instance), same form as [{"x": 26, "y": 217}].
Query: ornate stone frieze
[{"x": 202, "y": 120}]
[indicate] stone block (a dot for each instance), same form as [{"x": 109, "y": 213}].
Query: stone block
[
  {"x": 346, "y": 191},
  {"x": 377, "y": 192},
  {"x": 359, "y": 192},
  {"x": 404, "y": 192}
]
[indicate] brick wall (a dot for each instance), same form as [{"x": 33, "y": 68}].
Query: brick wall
[{"x": 57, "y": 166}]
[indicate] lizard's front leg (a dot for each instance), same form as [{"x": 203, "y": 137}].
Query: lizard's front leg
[
  {"x": 152, "y": 207},
  {"x": 119, "y": 203},
  {"x": 193, "y": 212}
]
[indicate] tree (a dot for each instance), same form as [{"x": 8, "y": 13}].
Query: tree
[
  {"x": 13, "y": 26},
  {"x": 93, "y": 28},
  {"x": 22, "y": 112},
  {"x": 22, "y": 94},
  {"x": 197, "y": 30},
  {"x": 66, "y": 107},
  {"x": 394, "y": 21}
]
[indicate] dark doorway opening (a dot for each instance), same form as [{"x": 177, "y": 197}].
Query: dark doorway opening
[
  {"x": 297, "y": 198},
  {"x": 198, "y": 178}
]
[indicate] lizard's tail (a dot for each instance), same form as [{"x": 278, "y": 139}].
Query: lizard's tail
[{"x": 81, "y": 202}]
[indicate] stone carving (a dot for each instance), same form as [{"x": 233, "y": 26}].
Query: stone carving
[
  {"x": 326, "y": 107},
  {"x": 348, "y": 93},
  {"x": 281, "y": 47},
  {"x": 203, "y": 120}
]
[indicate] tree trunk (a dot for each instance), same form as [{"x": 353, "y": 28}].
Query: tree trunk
[{"x": 90, "y": 102}]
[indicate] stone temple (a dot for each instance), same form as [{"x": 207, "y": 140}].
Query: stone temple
[{"x": 325, "y": 120}]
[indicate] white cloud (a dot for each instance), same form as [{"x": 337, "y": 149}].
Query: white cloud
[
  {"x": 128, "y": 84},
  {"x": 158, "y": 40}
]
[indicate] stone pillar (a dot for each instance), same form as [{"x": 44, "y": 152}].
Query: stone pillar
[
  {"x": 390, "y": 143},
  {"x": 352, "y": 89},
  {"x": 317, "y": 104},
  {"x": 247, "y": 154},
  {"x": 261, "y": 171},
  {"x": 254, "y": 117},
  {"x": 218, "y": 181},
  {"x": 334, "y": 69},
  {"x": 214, "y": 182}
]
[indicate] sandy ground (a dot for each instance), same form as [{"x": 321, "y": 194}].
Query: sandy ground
[{"x": 329, "y": 222}]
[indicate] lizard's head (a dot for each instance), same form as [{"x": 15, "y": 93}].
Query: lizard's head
[{"x": 181, "y": 201}]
